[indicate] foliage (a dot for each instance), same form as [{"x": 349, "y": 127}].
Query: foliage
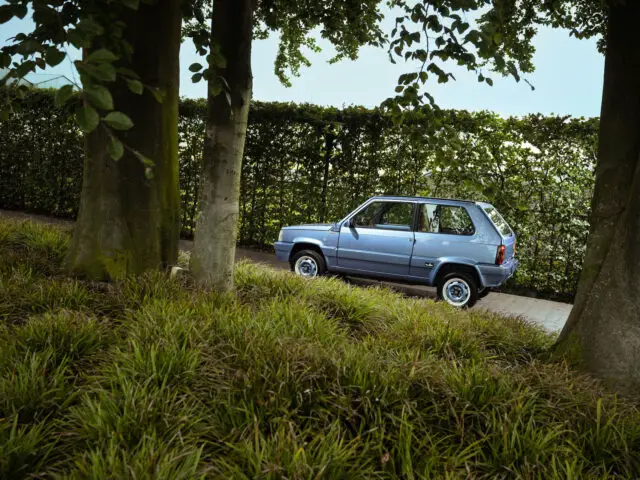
[
  {"x": 306, "y": 164},
  {"x": 97, "y": 28},
  {"x": 346, "y": 25},
  {"x": 154, "y": 378},
  {"x": 483, "y": 36}
]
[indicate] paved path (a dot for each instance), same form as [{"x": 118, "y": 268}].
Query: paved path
[{"x": 551, "y": 315}]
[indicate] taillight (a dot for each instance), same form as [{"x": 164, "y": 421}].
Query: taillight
[{"x": 500, "y": 255}]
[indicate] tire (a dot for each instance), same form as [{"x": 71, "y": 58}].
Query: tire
[
  {"x": 308, "y": 264},
  {"x": 458, "y": 289},
  {"x": 484, "y": 292}
]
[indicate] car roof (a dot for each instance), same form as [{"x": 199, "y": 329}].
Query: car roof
[{"x": 443, "y": 201}]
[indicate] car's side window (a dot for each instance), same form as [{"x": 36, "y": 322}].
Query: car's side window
[
  {"x": 386, "y": 216},
  {"x": 435, "y": 218}
]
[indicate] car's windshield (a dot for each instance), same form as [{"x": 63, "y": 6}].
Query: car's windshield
[{"x": 500, "y": 223}]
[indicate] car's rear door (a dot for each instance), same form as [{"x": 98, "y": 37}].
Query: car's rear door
[
  {"x": 379, "y": 239},
  {"x": 443, "y": 231}
]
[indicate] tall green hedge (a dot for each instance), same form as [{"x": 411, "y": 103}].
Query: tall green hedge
[{"x": 305, "y": 163}]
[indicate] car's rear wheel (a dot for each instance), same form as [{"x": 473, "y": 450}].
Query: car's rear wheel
[
  {"x": 308, "y": 263},
  {"x": 458, "y": 289}
]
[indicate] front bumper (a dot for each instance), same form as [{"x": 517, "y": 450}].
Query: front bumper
[
  {"x": 283, "y": 250},
  {"x": 496, "y": 275}
]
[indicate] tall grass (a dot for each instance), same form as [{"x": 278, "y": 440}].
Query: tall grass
[{"x": 154, "y": 377}]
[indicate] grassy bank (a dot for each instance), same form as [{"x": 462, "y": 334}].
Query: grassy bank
[{"x": 154, "y": 378}]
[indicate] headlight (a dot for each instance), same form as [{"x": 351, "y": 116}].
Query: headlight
[{"x": 281, "y": 235}]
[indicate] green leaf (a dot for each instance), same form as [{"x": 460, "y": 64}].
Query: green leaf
[
  {"x": 102, "y": 55},
  {"x": 195, "y": 67},
  {"x": 196, "y": 77},
  {"x": 119, "y": 121},
  {"x": 115, "y": 148},
  {"x": 29, "y": 46},
  {"x": 4, "y": 115},
  {"x": 146, "y": 161},
  {"x": 127, "y": 72},
  {"x": 53, "y": 56},
  {"x": 104, "y": 72},
  {"x": 215, "y": 87},
  {"x": 18, "y": 10},
  {"x": 99, "y": 96},
  {"x": 489, "y": 82},
  {"x": 63, "y": 95},
  {"x": 5, "y": 60},
  {"x": 24, "y": 68},
  {"x": 219, "y": 61},
  {"x": 135, "y": 86},
  {"x": 90, "y": 26},
  {"x": 158, "y": 93},
  {"x": 87, "y": 118},
  {"x": 78, "y": 39},
  {"x": 6, "y": 13},
  {"x": 132, "y": 4}
]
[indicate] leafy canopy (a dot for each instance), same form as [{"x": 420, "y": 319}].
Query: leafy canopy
[{"x": 485, "y": 36}]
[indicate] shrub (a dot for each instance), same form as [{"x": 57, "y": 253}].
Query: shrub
[{"x": 305, "y": 163}]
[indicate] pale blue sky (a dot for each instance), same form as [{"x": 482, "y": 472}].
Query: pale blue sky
[{"x": 568, "y": 78}]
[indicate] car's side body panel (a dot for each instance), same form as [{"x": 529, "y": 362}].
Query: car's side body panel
[
  {"x": 375, "y": 250},
  {"x": 411, "y": 255}
]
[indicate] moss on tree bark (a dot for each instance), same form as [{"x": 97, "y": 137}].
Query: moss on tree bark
[
  {"x": 602, "y": 334},
  {"x": 216, "y": 227},
  {"x": 128, "y": 223}
]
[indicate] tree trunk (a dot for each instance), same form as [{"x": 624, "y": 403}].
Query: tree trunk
[
  {"x": 216, "y": 228},
  {"x": 602, "y": 334},
  {"x": 127, "y": 223}
]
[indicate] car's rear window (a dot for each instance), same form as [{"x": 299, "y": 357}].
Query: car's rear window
[{"x": 500, "y": 223}]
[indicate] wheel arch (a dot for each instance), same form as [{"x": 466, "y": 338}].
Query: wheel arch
[
  {"x": 455, "y": 266},
  {"x": 305, "y": 245}
]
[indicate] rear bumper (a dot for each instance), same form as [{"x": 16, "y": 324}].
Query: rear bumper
[
  {"x": 283, "y": 250},
  {"x": 496, "y": 275}
]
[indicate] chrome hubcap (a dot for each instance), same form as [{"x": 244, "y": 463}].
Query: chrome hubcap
[
  {"x": 456, "y": 292},
  {"x": 306, "y": 267}
]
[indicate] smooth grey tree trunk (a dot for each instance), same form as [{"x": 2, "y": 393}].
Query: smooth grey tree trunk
[
  {"x": 602, "y": 334},
  {"x": 127, "y": 223},
  {"x": 213, "y": 254}
]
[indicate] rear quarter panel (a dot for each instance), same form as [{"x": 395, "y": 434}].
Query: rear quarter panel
[{"x": 432, "y": 250}]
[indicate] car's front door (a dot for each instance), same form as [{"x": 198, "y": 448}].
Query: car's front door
[{"x": 379, "y": 238}]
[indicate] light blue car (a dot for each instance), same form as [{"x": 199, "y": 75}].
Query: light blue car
[{"x": 463, "y": 248}]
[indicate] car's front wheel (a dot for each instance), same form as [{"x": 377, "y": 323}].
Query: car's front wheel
[
  {"x": 458, "y": 289},
  {"x": 308, "y": 263}
]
